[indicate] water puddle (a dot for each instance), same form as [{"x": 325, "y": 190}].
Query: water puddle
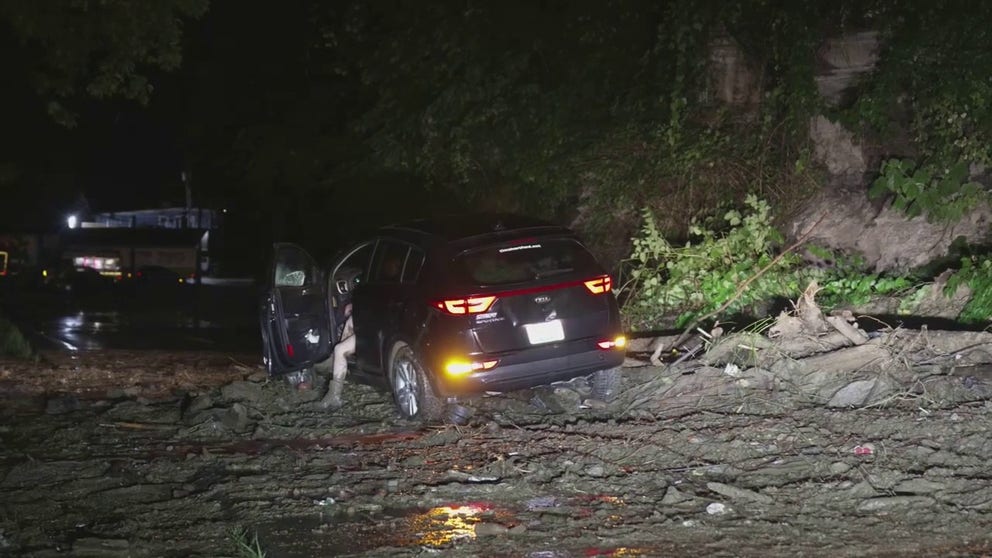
[{"x": 364, "y": 530}]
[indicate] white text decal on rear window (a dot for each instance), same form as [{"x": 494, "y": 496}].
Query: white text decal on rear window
[{"x": 521, "y": 247}]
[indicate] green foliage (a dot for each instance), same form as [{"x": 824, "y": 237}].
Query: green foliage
[
  {"x": 12, "y": 341},
  {"x": 932, "y": 85},
  {"x": 664, "y": 280},
  {"x": 976, "y": 273},
  {"x": 857, "y": 288},
  {"x": 916, "y": 190},
  {"x": 102, "y": 49},
  {"x": 706, "y": 272},
  {"x": 246, "y": 543}
]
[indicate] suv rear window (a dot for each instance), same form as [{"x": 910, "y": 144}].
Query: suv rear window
[{"x": 530, "y": 260}]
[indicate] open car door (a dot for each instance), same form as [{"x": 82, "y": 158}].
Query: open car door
[{"x": 294, "y": 314}]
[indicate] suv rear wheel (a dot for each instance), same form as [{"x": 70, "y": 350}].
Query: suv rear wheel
[
  {"x": 606, "y": 384},
  {"x": 412, "y": 390}
]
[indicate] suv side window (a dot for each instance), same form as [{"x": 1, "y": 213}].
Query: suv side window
[
  {"x": 390, "y": 257},
  {"x": 414, "y": 263}
]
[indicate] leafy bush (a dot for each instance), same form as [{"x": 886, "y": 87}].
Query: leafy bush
[
  {"x": 698, "y": 278},
  {"x": 976, "y": 272},
  {"x": 12, "y": 341},
  {"x": 706, "y": 272},
  {"x": 918, "y": 190}
]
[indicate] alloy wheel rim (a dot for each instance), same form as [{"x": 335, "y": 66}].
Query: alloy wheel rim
[{"x": 405, "y": 386}]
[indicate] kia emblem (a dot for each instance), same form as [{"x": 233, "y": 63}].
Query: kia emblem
[{"x": 543, "y": 299}]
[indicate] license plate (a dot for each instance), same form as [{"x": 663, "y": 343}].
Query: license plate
[{"x": 544, "y": 332}]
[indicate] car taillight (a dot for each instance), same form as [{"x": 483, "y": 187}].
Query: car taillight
[
  {"x": 617, "y": 342},
  {"x": 470, "y": 305},
  {"x": 599, "y": 285},
  {"x": 456, "y": 368}
]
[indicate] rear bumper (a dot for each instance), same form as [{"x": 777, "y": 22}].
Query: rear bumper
[{"x": 520, "y": 375}]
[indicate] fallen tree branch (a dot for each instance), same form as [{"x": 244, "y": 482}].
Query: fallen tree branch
[{"x": 737, "y": 294}]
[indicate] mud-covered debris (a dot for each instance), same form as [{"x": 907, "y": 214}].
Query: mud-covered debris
[
  {"x": 735, "y": 493},
  {"x": 62, "y": 404},
  {"x": 101, "y": 548},
  {"x": 236, "y": 418},
  {"x": 241, "y": 391},
  {"x": 885, "y": 503},
  {"x": 486, "y": 529},
  {"x": 197, "y": 405},
  {"x": 673, "y": 496},
  {"x": 919, "y": 486},
  {"x": 853, "y": 394},
  {"x": 717, "y": 508}
]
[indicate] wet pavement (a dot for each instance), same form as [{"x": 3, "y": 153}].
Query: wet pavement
[{"x": 205, "y": 317}]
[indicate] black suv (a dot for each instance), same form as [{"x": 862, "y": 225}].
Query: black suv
[{"x": 448, "y": 307}]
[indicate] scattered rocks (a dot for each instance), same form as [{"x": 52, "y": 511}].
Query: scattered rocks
[
  {"x": 242, "y": 391},
  {"x": 735, "y": 493},
  {"x": 886, "y": 503},
  {"x": 717, "y": 508},
  {"x": 490, "y": 529},
  {"x": 236, "y": 418},
  {"x": 101, "y": 548}
]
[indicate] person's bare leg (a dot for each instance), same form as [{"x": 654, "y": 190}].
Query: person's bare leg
[{"x": 332, "y": 400}]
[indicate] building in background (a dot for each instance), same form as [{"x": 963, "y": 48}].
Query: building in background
[{"x": 123, "y": 242}]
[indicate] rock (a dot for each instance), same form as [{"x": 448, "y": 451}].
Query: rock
[
  {"x": 839, "y": 468},
  {"x": 136, "y": 411},
  {"x": 887, "y": 502},
  {"x": 596, "y": 404},
  {"x": 673, "y": 496},
  {"x": 735, "y": 493},
  {"x": 595, "y": 471},
  {"x": 241, "y": 391},
  {"x": 733, "y": 77},
  {"x": 716, "y": 508},
  {"x": 236, "y": 418},
  {"x": 886, "y": 238},
  {"x": 198, "y": 404},
  {"x": 834, "y": 147},
  {"x": 843, "y": 61},
  {"x": 934, "y": 303},
  {"x": 567, "y": 399},
  {"x": 861, "y": 490},
  {"x": 853, "y": 394},
  {"x": 919, "y": 486},
  {"x": 486, "y": 529}
]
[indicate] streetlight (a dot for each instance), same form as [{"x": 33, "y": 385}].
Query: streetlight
[{"x": 72, "y": 221}]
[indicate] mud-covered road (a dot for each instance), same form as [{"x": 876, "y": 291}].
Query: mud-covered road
[{"x": 117, "y": 454}]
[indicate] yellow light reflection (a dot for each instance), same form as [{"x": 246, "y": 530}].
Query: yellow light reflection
[
  {"x": 444, "y": 524},
  {"x": 624, "y": 551}
]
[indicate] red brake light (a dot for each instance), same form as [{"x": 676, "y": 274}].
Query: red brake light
[
  {"x": 599, "y": 285},
  {"x": 470, "y": 305}
]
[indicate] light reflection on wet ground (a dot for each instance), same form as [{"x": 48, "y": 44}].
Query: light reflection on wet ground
[
  {"x": 432, "y": 530},
  {"x": 214, "y": 318}
]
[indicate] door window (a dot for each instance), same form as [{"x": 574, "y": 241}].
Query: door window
[
  {"x": 352, "y": 271},
  {"x": 390, "y": 257},
  {"x": 294, "y": 268},
  {"x": 414, "y": 263}
]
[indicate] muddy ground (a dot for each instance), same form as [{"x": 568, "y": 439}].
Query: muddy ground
[{"x": 790, "y": 444}]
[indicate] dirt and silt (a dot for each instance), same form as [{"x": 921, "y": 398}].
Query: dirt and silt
[{"x": 812, "y": 438}]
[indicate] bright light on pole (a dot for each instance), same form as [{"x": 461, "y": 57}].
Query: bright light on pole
[{"x": 72, "y": 221}]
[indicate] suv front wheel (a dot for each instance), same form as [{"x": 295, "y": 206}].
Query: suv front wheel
[{"x": 412, "y": 390}]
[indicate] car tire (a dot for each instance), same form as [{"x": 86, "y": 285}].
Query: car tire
[
  {"x": 606, "y": 384},
  {"x": 412, "y": 391}
]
